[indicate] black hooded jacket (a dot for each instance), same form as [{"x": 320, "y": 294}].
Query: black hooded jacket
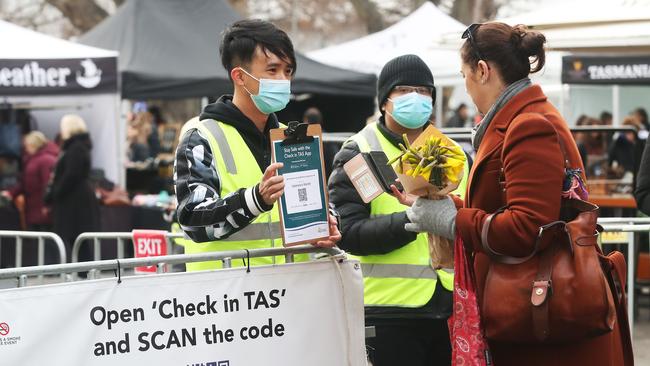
[{"x": 202, "y": 213}]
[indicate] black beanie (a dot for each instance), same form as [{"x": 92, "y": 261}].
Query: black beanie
[{"x": 403, "y": 70}]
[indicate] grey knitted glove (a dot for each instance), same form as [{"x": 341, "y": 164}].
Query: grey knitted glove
[{"x": 433, "y": 216}]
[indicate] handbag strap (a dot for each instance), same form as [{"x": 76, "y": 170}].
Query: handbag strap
[
  {"x": 575, "y": 204},
  {"x": 542, "y": 289},
  {"x": 502, "y": 258}
]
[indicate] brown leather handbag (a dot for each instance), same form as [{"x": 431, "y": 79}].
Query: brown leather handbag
[
  {"x": 564, "y": 291},
  {"x": 557, "y": 294}
]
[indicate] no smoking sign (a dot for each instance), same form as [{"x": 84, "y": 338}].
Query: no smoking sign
[{"x": 4, "y": 329}]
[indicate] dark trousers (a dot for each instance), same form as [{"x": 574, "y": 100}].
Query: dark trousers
[{"x": 409, "y": 342}]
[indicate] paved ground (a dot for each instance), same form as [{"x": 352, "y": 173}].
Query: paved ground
[{"x": 642, "y": 337}]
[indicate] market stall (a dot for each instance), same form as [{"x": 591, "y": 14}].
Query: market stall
[
  {"x": 43, "y": 78},
  {"x": 171, "y": 50}
]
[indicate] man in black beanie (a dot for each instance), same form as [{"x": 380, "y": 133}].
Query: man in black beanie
[{"x": 406, "y": 301}]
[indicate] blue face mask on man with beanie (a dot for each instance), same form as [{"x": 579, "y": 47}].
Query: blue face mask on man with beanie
[
  {"x": 406, "y": 92},
  {"x": 411, "y": 110}
]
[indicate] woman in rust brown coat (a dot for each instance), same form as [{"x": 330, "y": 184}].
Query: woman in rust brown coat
[{"x": 527, "y": 179}]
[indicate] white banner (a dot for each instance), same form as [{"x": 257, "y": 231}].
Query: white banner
[{"x": 302, "y": 314}]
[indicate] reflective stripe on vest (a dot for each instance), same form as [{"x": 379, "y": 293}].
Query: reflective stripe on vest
[
  {"x": 224, "y": 148},
  {"x": 264, "y": 231},
  {"x": 250, "y": 232},
  {"x": 403, "y": 277},
  {"x": 414, "y": 271}
]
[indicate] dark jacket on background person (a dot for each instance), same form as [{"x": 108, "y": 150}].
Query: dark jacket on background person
[
  {"x": 456, "y": 121},
  {"x": 623, "y": 152},
  {"x": 202, "y": 212},
  {"x": 37, "y": 170},
  {"x": 642, "y": 191},
  {"x": 379, "y": 235},
  {"x": 75, "y": 208}
]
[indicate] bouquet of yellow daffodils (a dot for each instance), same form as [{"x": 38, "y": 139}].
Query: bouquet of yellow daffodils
[{"x": 431, "y": 167}]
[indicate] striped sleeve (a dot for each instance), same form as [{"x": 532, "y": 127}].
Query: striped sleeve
[{"x": 202, "y": 213}]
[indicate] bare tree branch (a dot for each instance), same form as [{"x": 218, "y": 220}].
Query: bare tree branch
[
  {"x": 241, "y": 6},
  {"x": 83, "y": 14},
  {"x": 473, "y": 11},
  {"x": 369, "y": 14}
]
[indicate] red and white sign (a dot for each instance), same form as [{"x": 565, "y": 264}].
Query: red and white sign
[
  {"x": 149, "y": 243},
  {"x": 4, "y": 329}
]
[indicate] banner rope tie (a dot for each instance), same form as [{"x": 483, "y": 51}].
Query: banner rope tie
[
  {"x": 118, "y": 272},
  {"x": 247, "y": 262}
]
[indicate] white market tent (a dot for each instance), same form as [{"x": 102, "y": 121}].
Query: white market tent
[
  {"x": 577, "y": 25},
  {"x": 419, "y": 33},
  {"x": 52, "y": 77},
  {"x": 429, "y": 33}
]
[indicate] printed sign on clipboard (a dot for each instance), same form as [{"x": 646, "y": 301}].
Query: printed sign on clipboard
[{"x": 303, "y": 207}]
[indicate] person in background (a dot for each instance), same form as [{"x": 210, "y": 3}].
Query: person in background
[
  {"x": 595, "y": 142},
  {"x": 642, "y": 190},
  {"x": 225, "y": 181},
  {"x": 516, "y": 182},
  {"x": 153, "y": 140},
  {"x": 406, "y": 300},
  {"x": 642, "y": 115},
  {"x": 75, "y": 208},
  {"x": 313, "y": 116},
  {"x": 39, "y": 158},
  {"x": 606, "y": 118},
  {"x": 581, "y": 139},
  {"x": 38, "y": 162},
  {"x": 459, "y": 119},
  {"x": 138, "y": 131},
  {"x": 622, "y": 154}
]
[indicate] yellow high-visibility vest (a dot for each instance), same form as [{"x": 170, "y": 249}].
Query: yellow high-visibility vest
[
  {"x": 403, "y": 277},
  {"x": 235, "y": 173}
]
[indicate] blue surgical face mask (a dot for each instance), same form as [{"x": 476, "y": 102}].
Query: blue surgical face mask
[
  {"x": 411, "y": 110},
  {"x": 273, "y": 95}
]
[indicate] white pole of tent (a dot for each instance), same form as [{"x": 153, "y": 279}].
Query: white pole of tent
[
  {"x": 439, "y": 116},
  {"x": 563, "y": 89},
  {"x": 123, "y": 106},
  {"x": 616, "y": 105}
]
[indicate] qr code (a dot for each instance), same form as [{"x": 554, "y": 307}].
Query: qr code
[{"x": 302, "y": 194}]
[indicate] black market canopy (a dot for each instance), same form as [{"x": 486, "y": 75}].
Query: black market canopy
[{"x": 170, "y": 49}]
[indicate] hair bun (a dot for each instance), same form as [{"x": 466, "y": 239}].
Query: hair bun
[{"x": 530, "y": 44}]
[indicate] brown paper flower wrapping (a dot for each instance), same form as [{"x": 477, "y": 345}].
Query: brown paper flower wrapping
[{"x": 441, "y": 249}]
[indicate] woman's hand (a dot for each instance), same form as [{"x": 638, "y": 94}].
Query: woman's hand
[{"x": 433, "y": 216}]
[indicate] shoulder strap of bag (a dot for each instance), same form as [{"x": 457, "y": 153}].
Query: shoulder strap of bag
[{"x": 488, "y": 221}]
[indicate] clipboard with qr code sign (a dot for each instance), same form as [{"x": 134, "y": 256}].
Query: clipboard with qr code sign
[{"x": 304, "y": 209}]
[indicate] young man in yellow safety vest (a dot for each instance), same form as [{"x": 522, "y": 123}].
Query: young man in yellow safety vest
[
  {"x": 406, "y": 300},
  {"x": 225, "y": 183}
]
